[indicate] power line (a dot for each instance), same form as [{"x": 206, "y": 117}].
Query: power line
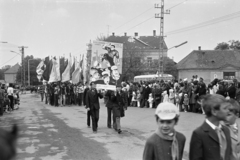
[
  {"x": 177, "y": 5},
  {"x": 207, "y": 23},
  {"x": 8, "y": 60},
  {"x": 133, "y": 18},
  {"x": 139, "y": 23},
  {"x": 145, "y": 12}
]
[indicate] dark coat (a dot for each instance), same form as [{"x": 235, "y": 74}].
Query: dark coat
[
  {"x": 85, "y": 95},
  {"x": 146, "y": 91},
  {"x": 92, "y": 99},
  {"x": 109, "y": 103},
  {"x": 154, "y": 147},
  {"x": 204, "y": 144},
  {"x": 118, "y": 102},
  {"x": 231, "y": 92}
]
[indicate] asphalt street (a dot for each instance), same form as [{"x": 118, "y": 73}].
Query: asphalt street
[{"x": 54, "y": 133}]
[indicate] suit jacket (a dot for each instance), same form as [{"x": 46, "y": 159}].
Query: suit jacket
[
  {"x": 204, "y": 144},
  {"x": 108, "y": 95},
  {"x": 85, "y": 95},
  {"x": 235, "y": 139},
  {"x": 92, "y": 99}
]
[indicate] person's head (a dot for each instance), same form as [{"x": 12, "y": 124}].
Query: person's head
[
  {"x": 234, "y": 110},
  {"x": 118, "y": 88},
  {"x": 185, "y": 96},
  {"x": 150, "y": 95},
  {"x": 115, "y": 73},
  {"x": 94, "y": 74},
  {"x": 106, "y": 77},
  {"x": 167, "y": 116},
  {"x": 216, "y": 106},
  {"x": 92, "y": 85}
]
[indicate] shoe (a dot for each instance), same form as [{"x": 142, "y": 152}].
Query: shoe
[
  {"x": 94, "y": 132},
  {"x": 89, "y": 126},
  {"x": 119, "y": 131}
]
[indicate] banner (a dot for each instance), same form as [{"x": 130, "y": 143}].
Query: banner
[{"x": 106, "y": 63}]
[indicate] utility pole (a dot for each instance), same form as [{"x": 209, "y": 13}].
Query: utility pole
[
  {"x": 23, "y": 65},
  {"x": 161, "y": 37}
]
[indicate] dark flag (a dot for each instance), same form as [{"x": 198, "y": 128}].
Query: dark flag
[
  {"x": 72, "y": 69},
  {"x": 62, "y": 66},
  {"x": 48, "y": 68}
]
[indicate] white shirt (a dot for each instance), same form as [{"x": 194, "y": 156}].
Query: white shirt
[
  {"x": 10, "y": 91},
  {"x": 212, "y": 125}
]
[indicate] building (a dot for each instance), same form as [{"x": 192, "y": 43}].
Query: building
[
  {"x": 210, "y": 64},
  {"x": 139, "y": 59},
  {"x": 11, "y": 74}
]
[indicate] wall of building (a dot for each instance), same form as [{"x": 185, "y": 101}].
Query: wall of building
[
  {"x": 10, "y": 78},
  {"x": 207, "y": 75}
]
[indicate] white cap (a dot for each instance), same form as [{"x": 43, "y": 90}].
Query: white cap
[
  {"x": 105, "y": 72},
  {"x": 114, "y": 67},
  {"x": 185, "y": 79},
  {"x": 166, "y": 111}
]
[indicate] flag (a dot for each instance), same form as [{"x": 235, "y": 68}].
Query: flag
[
  {"x": 81, "y": 68},
  {"x": 66, "y": 73},
  {"x": 76, "y": 74},
  {"x": 47, "y": 69},
  {"x": 40, "y": 68},
  {"x": 72, "y": 68},
  {"x": 55, "y": 73}
]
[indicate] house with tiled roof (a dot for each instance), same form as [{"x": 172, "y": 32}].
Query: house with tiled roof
[
  {"x": 210, "y": 64},
  {"x": 140, "y": 55},
  {"x": 11, "y": 74}
]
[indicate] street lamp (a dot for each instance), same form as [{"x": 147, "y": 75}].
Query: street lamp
[{"x": 29, "y": 72}]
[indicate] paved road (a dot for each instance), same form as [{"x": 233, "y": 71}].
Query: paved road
[{"x": 54, "y": 133}]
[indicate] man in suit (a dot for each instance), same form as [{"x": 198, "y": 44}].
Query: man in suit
[
  {"x": 109, "y": 106},
  {"x": 233, "y": 126},
  {"x": 211, "y": 141},
  {"x": 92, "y": 102},
  {"x": 85, "y": 104}
]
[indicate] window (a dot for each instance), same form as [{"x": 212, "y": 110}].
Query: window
[
  {"x": 228, "y": 75},
  {"x": 137, "y": 61},
  {"x": 149, "y": 61}
]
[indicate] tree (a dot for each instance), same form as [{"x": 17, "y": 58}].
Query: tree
[
  {"x": 32, "y": 69},
  {"x": 222, "y": 46},
  {"x": 230, "y": 45}
]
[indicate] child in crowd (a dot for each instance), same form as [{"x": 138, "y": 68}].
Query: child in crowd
[
  {"x": 150, "y": 100},
  {"x": 134, "y": 99},
  {"x": 165, "y": 96},
  {"x": 177, "y": 100},
  {"x": 186, "y": 102},
  {"x": 171, "y": 96},
  {"x": 138, "y": 98}
]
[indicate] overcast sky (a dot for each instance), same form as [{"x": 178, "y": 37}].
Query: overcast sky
[{"x": 58, "y": 27}]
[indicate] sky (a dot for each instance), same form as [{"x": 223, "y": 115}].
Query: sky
[{"x": 60, "y": 27}]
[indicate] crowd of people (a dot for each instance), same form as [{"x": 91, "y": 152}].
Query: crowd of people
[{"x": 9, "y": 98}]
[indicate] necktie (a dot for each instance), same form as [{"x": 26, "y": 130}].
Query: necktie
[{"x": 222, "y": 142}]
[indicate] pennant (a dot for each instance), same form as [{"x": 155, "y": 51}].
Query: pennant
[
  {"x": 48, "y": 68},
  {"x": 66, "y": 73},
  {"x": 40, "y": 68},
  {"x": 72, "y": 68},
  {"x": 55, "y": 73}
]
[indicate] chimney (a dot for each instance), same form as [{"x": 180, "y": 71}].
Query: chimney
[
  {"x": 113, "y": 34},
  {"x": 136, "y": 34},
  {"x": 125, "y": 34},
  {"x": 154, "y": 32},
  {"x": 199, "y": 48}
]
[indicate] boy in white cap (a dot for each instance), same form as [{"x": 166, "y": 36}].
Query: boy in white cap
[{"x": 166, "y": 143}]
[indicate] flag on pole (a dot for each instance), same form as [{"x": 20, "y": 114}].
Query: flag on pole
[
  {"x": 55, "y": 73},
  {"x": 47, "y": 69},
  {"x": 66, "y": 73},
  {"x": 72, "y": 68},
  {"x": 76, "y": 74},
  {"x": 40, "y": 68}
]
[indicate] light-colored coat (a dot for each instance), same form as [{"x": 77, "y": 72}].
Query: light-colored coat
[{"x": 235, "y": 139}]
